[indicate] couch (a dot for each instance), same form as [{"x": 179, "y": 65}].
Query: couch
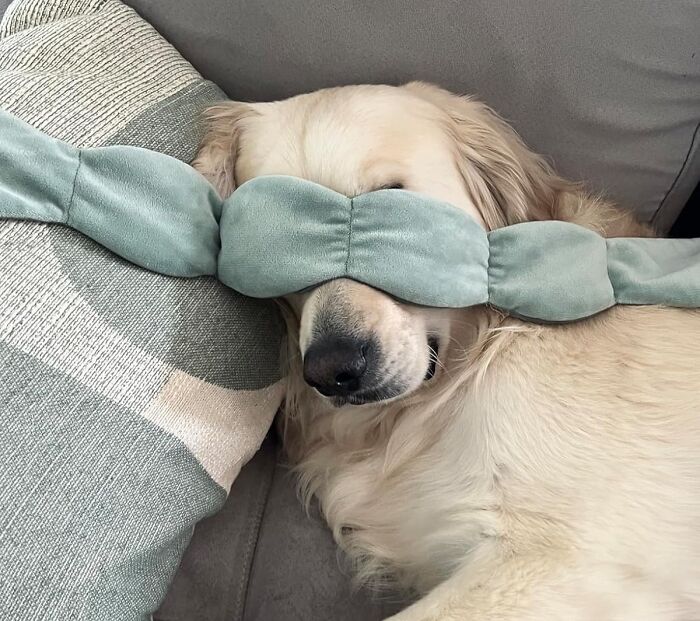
[{"x": 609, "y": 92}]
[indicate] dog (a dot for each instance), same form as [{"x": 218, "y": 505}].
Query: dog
[{"x": 499, "y": 469}]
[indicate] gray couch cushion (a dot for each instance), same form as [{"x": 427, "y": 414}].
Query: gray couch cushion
[
  {"x": 212, "y": 582},
  {"x": 262, "y": 559},
  {"x": 609, "y": 90},
  {"x": 298, "y": 574}
]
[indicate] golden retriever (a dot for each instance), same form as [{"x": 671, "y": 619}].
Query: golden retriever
[{"x": 502, "y": 470}]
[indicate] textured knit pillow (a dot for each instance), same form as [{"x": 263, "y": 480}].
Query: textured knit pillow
[{"x": 128, "y": 400}]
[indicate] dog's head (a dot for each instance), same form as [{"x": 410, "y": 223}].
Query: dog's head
[{"x": 358, "y": 344}]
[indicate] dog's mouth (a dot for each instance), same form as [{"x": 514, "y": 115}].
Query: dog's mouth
[
  {"x": 392, "y": 389},
  {"x": 380, "y": 394}
]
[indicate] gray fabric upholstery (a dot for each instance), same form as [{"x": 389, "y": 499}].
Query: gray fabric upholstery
[
  {"x": 297, "y": 573},
  {"x": 212, "y": 582},
  {"x": 262, "y": 559},
  {"x": 609, "y": 90}
]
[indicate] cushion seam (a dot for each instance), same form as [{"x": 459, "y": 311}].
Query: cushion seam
[
  {"x": 681, "y": 170},
  {"x": 252, "y": 545}
]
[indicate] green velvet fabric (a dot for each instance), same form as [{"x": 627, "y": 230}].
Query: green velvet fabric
[
  {"x": 282, "y": 234},
  {"x": 279, "y": 235}
]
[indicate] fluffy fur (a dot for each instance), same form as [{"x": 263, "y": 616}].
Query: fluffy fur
[{"x": 545, "y": 472}]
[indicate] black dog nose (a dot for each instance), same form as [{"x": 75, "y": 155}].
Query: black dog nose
[{"x": 335, "y": 365}]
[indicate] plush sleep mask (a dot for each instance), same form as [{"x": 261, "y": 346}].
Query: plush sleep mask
[{"x": 279, "y": 235}]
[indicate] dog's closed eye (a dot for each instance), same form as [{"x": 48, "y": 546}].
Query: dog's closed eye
[{"x": 395, "y": 185}]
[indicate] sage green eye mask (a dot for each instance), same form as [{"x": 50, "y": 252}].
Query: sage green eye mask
[{"x": 280, "y": 235}]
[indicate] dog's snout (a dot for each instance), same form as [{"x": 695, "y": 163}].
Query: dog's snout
[{"x": 336, "y": 366}]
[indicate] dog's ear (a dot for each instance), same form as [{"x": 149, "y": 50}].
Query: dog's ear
[
  {"x": 507, "y": 182},
  {"x": 216, "y": 158}
]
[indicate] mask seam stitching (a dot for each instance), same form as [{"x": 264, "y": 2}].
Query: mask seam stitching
[
  {"x": 607, "y": 270},
  {"x": 350, "y": 222},
  {"x": 488, "y": 270},
  {"x": 75, "y": 183}
]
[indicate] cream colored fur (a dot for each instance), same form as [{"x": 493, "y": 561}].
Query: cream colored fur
[{"x": 546, "y": 472}]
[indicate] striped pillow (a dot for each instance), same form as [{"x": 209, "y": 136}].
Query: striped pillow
[{"x": 128, "y": 400}]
